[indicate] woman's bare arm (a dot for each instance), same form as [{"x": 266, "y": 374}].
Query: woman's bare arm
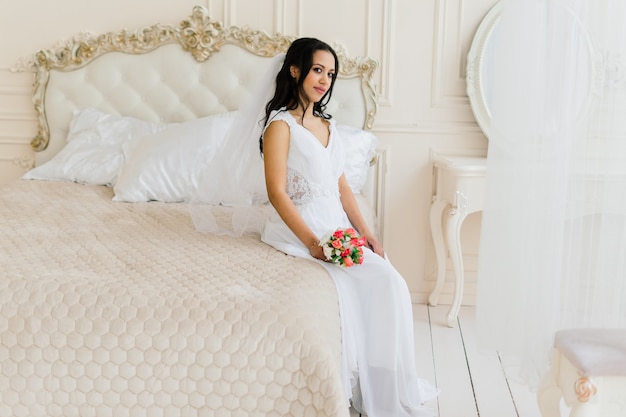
[{"x": 275, "y": 151}]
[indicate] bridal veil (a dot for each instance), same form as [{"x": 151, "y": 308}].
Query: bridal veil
[{"x": 235, "y": 177}]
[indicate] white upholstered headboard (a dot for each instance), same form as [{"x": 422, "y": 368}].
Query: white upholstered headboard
[
  {"x": 174, "y": 73},
  {"x": 168, "y": 73}
]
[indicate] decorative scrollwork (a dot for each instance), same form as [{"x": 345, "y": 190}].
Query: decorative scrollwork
[
  {"x": 609, "y": 71},
  {"x": 585, "y": 389},
  {"x": 199, "y": 34},
  {"x": 460, "y": 204},
  {"x": 25, "y": 163}
]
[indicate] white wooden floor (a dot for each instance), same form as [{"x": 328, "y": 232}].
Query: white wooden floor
[{"x": 471, "y": 384}]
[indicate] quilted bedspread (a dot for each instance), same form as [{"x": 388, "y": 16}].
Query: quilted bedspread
[{"x": 117, "y": 309}]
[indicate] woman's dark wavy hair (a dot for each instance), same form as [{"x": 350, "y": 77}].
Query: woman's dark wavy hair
[{"x": 289, "y": 90}]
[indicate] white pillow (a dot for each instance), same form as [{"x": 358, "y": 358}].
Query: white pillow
[
  {"x": 166, "y": 166},
  {"x": 360, "y": 146},
  {"x": 93, "y": 154}
]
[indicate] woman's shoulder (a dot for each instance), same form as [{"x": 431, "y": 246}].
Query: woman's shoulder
[
  {"x": 284, "y": 115},
  {"x": 280, "y": 114}
]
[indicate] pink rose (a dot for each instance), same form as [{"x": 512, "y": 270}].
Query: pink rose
[
  {"x": 357, "y": 242},
  {"x": 336, "y": 244},
  {"x": 350, "y": 231},
  {"x": 338, "y": 234},
  {"x": 348, "y": 262}
]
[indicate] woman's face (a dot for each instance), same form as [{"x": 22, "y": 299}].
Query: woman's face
[{"x": 320, "y": 76}]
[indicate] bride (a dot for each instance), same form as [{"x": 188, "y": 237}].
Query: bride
[{"x": 303, "y": 164}]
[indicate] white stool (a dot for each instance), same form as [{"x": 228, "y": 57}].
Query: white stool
[{"x": 588, "y": 371}]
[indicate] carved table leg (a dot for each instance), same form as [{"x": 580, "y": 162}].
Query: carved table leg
[
  {"x": 453, "y": 236},
  {"x": 436, "y": 210}
]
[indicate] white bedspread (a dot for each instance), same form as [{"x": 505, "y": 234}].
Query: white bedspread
[{"x": 115, "y": 309}]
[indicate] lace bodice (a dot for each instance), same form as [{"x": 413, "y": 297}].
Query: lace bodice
[{"x": 312, "y": 169}]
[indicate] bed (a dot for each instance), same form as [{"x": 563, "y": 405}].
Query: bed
[{"x": 111, "y": 303}]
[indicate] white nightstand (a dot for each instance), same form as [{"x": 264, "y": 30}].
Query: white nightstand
[{"x": 460, "y": 187}]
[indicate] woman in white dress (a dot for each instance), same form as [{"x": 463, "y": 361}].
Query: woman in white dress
[{"x": 303, "y": 162}]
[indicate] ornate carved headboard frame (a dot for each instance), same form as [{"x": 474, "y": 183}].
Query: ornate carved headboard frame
[{"x": 199, "y": 35}]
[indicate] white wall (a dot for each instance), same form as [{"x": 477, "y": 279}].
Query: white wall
[{"x": 421, "y": 45}]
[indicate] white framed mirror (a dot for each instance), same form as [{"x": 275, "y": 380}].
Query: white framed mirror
[
  {"x": 481, "y": 60},
  {"x": 480, "y": 68}
]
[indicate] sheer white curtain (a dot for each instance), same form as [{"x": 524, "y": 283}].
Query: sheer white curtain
[{"x": 553, "y": 242}]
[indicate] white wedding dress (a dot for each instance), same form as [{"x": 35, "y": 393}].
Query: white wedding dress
[{"x": 379, "y": 372}]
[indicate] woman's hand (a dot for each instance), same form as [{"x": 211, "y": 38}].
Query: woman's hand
[
  {"x": 317, "y": 251},
  {"x": 375, "y": 245}
]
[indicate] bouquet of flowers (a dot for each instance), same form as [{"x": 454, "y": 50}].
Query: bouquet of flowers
[{"x": 343, "y": 247}]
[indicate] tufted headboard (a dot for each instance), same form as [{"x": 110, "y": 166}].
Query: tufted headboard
[{"x": 166, "y": 73}]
